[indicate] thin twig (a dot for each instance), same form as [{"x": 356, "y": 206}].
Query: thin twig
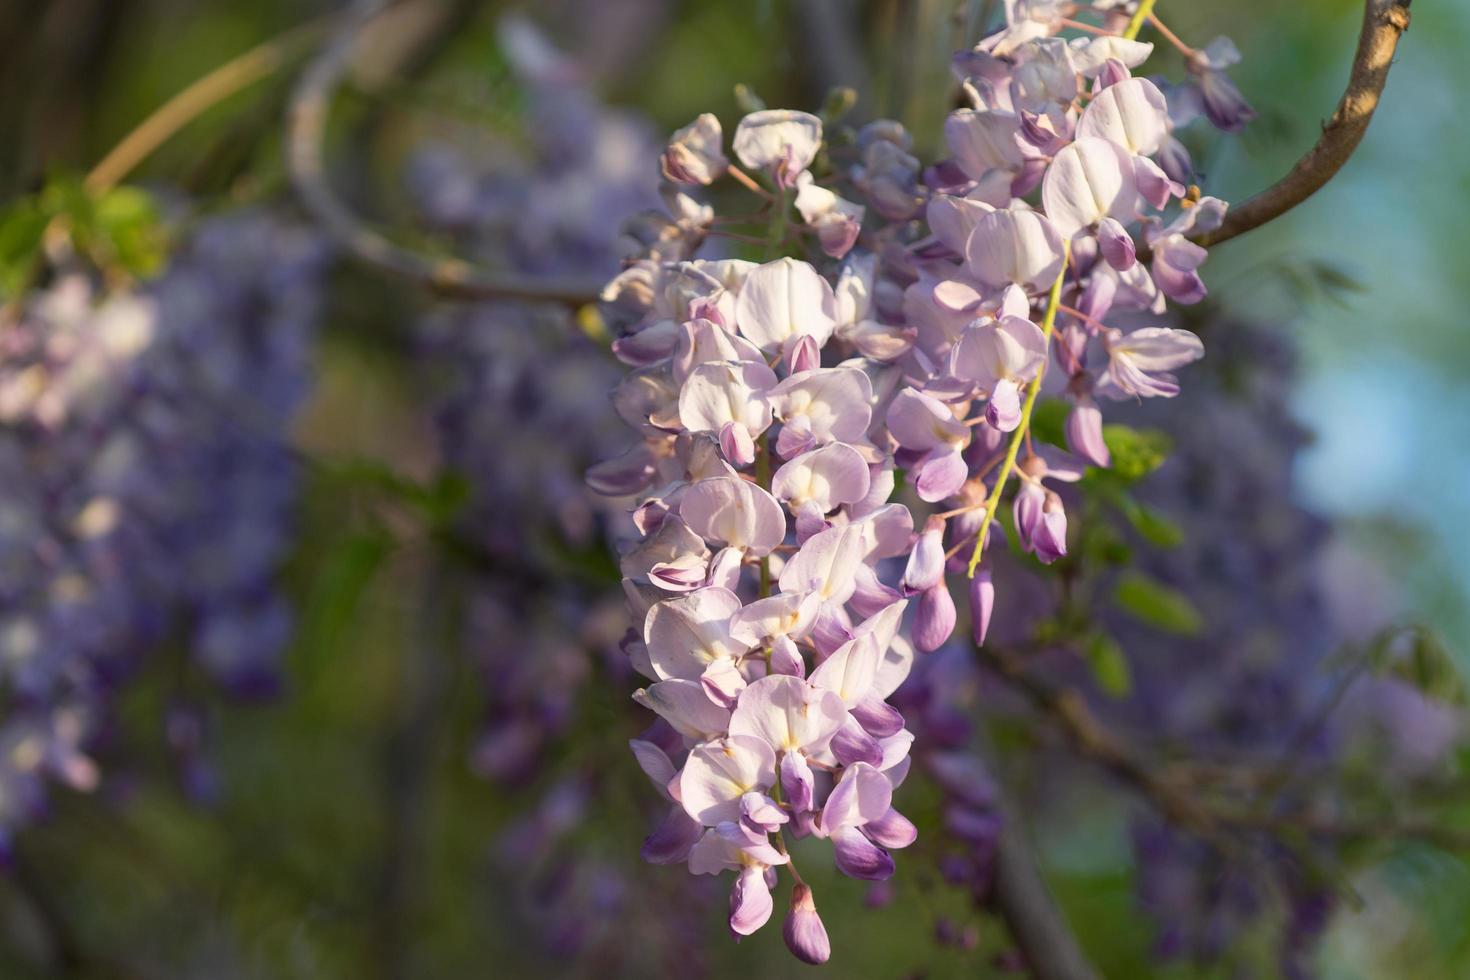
[
  {"x": 1091, "y": 739},
  {"x": 1384, "y": 22},
  {"x": 1215, "y": 821},
  {"x": 1170, "y": 36},
  {"x": 238, "y": 73},
  {"x": 748, "y": 182},
  {"x": 1078, "y": 25},
  {"x": 306, "y": 138}
]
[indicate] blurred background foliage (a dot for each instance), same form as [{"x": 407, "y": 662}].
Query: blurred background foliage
[{"x": 349, "y": 838}]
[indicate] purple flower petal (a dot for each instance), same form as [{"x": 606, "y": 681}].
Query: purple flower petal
[
  {"x": 858, "y": 857},
  {"x": 672, "y": 839},
  {"x": 935, "y": 618},
  {"x": 803, "y": 930},
  {"x": 750, "y": 901}
]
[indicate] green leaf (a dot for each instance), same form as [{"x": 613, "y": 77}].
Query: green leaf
[
  {"x": 65, "y": 196},
  {"x": 1151, "y": 601},
  {"x": 120, "y": 229},
  {"x": 1136, "y": 452},
  {"x": 445, "y": 498},
  {"x": 127, "y": 221},
  {"x": 1157, "y": 528},
  {"x": 1049, "y": 421},
  {"x": 1109, "y": 665},
  {"x": 21, "y": 226},
  {"x": 335, "y": 595},
  {"x": 1417, "y": 656}
]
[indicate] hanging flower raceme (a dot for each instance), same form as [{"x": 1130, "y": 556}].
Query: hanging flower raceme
[
  {"x": 149, "y": 492},
  {"x": 1012, "y": 297},
  {"x": 768, "y": 641},
  {"x": 760, "y": 496},
  {"x": 776, "y": 402}
]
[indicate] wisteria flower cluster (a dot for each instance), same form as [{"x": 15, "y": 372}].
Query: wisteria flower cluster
[
  {"x": 148, "y": 492},
  {"x": 771, "y": 657},
  {"x": 778, "y": 402}
]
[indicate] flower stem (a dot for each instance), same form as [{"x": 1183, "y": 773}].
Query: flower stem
[
  {"x": 781, "y": 835},
  {"x": 1145, "y": 7},
  {"x": 748, "y": 182},
  {"x": 1171, "y": 37},
  {"x": 1078, "y": 25},
  {"x": 776, "y": 230},
  {"x": 763, "y": 480},
  {"x": 1048, "y": 321},
  {"x": 775, "y": 237}
]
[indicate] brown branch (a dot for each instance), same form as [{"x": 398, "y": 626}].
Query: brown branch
[
  {"x": 1038, "y": 927},
  {"x": 306, "y": 139},
  {"x": 1092, "y": 739},
  {"x": 64, "y": 950},
  {"x": 425, "y": 684},
  {"x": 1384, "y": 22},
  {"x": 1357, "y": 829},
  {"x": 1216, "y": 822}
]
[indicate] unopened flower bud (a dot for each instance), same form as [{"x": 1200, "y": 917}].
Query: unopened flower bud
[
  {"x": 934, "y": 621},
  {"x": 926, "y": 562},
  {"x": 1049, "y": 539},
  {"x": 803, "y": 930},
  {"x": 736, "y": 444},
  {"x": 982, "y": 604},
  {"x": 805, "y": 355},
  {"x": 1085, "y": 434},
  {"x": 1117, "y": 245}
]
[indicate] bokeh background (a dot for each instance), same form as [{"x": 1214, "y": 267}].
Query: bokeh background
[{"x": 438, "y": 784}]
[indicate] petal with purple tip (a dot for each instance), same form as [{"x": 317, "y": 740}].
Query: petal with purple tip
[
  {"x": 934, "y": 619},
  {"x": 858, "y": 857},
  {"x": 673, "y": 839}
]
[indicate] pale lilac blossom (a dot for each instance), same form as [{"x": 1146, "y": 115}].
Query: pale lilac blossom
[
  {"x": 1139, "y": 362},
  {"x": 1223, "y": 103},
  {"x": 779, "y": 403},
  {"x": 782, "y": 301},
  {"x": 1132, "y": 113},
  {"x": 694, "y": 154},
  {"x": 780, "y": 142}
]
